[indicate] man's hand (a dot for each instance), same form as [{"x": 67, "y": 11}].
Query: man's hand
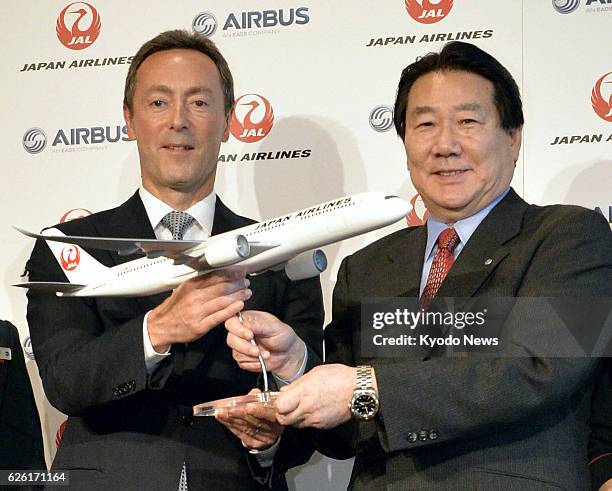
[
  {"x": 255, "y": 424},
  {"x": 195, "y": 307},
  {"x": 281, "y": 348},
  {"x": 318, "y": 399}
]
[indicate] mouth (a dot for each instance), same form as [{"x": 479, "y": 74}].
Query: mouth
[
  {"x": 177, "y": 148},
  {"x": 450, "y": 173}
]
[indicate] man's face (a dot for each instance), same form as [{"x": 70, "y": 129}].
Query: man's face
[
  {"x": 459, "y": 157},
  {"x": 178, "y": 122}
]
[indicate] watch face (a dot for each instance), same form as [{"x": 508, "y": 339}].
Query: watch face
[{"x": 365, "y": 405}]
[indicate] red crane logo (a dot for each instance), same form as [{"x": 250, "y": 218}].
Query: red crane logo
[
  {"x": 70, "y": 257},
  {"x": 84, "y": 22},
  {"x": 252, "y": 118},
  {"x": 428, "y": 11},
  {"x": 417, "y": 217},
  {"x": 601, "y": 106}
]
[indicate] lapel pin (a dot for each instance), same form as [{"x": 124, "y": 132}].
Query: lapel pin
[{"x": 488, "y": 261}]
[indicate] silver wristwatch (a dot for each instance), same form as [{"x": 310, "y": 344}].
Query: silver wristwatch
[{"x": 364, "y": 403}]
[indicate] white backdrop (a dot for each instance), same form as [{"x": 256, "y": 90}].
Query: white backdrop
[{"x": 323, "y": 67}]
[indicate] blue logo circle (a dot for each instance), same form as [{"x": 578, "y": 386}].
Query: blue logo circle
[
  {"x": 34, "y": 140},
  {"x": 381, "y": 118},
  {"x": 565, "y": 6},
  {"x": 204, "y": 24}
]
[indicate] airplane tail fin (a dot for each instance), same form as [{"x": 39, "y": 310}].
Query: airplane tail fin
[{"x": 77, "y": 264}]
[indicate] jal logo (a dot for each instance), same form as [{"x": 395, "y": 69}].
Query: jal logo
[
  {"x": 601, "y": 97},
  {"x": 60, "y": 434},
  {"x": 252, "y": 118},
  {"x": 70, "y": 257},
  {"x": 428, "y": 11},
  {"x": 419, "y": 214},
  {"x": 74, "y": 214},
  {"x": 78, "y": 25}
]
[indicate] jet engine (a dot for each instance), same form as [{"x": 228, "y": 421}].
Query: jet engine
[
  {"x": 306, "y": 265},
  {"x": 227, "y": 250}
]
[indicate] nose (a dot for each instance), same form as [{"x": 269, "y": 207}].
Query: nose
[
  {"x": 447, "y": 143},
  {"x": 178, "y": 117}
]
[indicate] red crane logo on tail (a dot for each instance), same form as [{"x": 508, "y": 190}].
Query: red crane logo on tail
[
  {"x": 70, "y": 257},
  {"x": 602, "y": 103},
  {"x": 78, "y": 25},
  {"x": 419, "y": 214},
  {"x": 428, "y": 11},
  {"x": 252, "y": 118}
]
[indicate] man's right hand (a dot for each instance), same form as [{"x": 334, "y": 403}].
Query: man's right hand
[{"x": 195, "y": 307}]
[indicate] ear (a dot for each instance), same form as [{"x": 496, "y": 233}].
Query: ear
[
  {"x": 228, "y": 120},
  {"x": 129, "y": 123},
  {"x": 516, "y": 139}
]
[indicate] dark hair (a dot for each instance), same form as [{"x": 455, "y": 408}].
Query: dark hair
[
  {"x": 457, "y": 55},
  {"x": 180, "y": 39}
]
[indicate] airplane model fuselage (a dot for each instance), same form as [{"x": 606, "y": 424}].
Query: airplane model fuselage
[{"x": 288, "y": 242}]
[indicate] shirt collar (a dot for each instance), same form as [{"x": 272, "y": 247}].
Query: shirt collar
[
  {"x": 464, "y": 227},
  {"x": 203, "y": 211}
]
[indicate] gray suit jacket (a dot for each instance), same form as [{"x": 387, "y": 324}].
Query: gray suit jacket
[
  {"x": 127, "y": 430},
  {"x": 518, "y": 422}
]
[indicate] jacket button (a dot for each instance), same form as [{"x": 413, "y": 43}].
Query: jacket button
[
  {"x": 423, "y": 435},
  {"x": 412, "y": 437},
  {"x": 433, "y": 435}
]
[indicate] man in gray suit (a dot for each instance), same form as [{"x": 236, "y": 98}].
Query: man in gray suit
[{"x": 430, "y": 421}]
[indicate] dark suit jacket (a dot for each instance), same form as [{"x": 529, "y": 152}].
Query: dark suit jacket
[
  {"x": 519, "y": 422},
  {"x": 21, "y": 444},
  {"x": 600, "y": 441},
  {"x": 128, "y": 431}
]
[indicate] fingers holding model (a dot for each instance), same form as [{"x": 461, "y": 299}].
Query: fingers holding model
[
  {"x": 281, "y": 348},
  {"x": 195, "y": 307}
]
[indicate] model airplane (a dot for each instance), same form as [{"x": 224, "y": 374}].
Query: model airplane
[{"x": 288, "y": 242}]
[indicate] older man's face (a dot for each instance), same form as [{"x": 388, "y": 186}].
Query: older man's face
[{"x": 459, "y": 157}]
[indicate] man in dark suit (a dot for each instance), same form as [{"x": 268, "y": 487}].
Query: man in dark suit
[
  {"x": 21, "y": 445},
  {"x": 127, "y": 371},
  {"x": 427, "y": 420}
]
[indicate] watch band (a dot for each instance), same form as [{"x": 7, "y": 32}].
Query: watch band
[{"x": 364, "y": 377}]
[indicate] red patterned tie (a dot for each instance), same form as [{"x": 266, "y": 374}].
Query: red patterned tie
[{"x": 441, "y": 265}]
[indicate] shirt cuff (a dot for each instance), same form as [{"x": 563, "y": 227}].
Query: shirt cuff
[
  {"x": 152, "y": 357},
  {"x": 265, "y": 458},
  {"x": 298, "y": 374}
]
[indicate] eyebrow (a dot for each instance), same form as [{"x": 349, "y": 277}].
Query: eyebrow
[
  {"x": 191, "y": 91},
  {"x": 466, "y": 106}
]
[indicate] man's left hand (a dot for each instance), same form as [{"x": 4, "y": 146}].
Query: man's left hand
[
  {"x": 318, "y": 399},
  {"x": 281, "y": 348},
  {"x": 255, "y": 424}
]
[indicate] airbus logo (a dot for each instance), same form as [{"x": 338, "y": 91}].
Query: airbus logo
[
  {"x": 565, "y": 6},
  {"x": 27, "y": 348},
  {"x": 252, "y": 118},
  {"x": 428, "y": 11},
  {"x": 381, "y": 118},
  {"x": 78, "y": 25},
  {"x": 204, "y": 24},
  {"x": 601, "y": 97},
  {"x": 34, "y": 141}
]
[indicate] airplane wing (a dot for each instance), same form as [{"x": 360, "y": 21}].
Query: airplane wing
[
  {"x": 50, "y": 286},
  {"x": 123, "y": 247},
  {"x": 179, "y": 250}
]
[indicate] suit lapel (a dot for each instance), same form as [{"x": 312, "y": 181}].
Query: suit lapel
[
  {"x": 485, "y": 249},
  {"x": 400, "y": 276}
]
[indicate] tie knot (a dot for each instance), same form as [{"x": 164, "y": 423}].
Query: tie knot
[
  {"x": 177, "y": 222},
  {"x": 448, "y": 239}
]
